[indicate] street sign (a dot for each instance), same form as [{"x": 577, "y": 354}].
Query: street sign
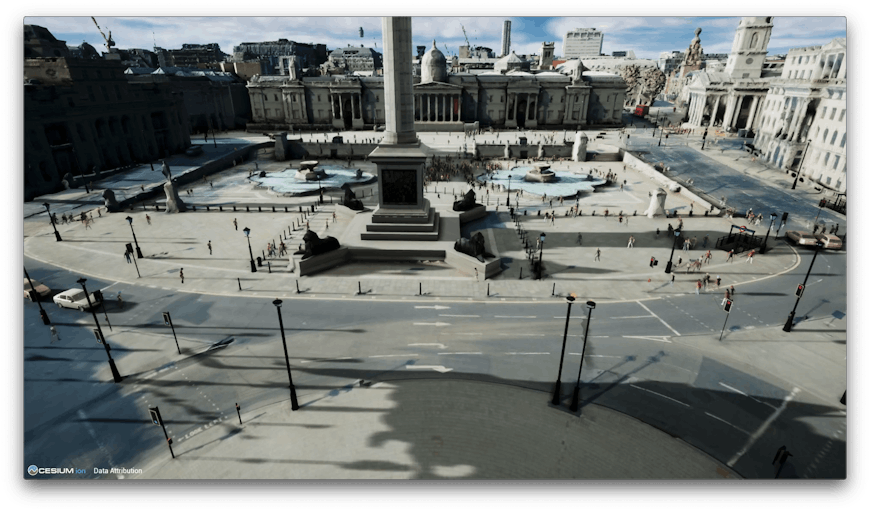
[
  {"x": 155, "y": 416},
  {"x": 166, "y": 319},
  {"x": 800, "y": 290},
  {"x": 99, "y": 337}
]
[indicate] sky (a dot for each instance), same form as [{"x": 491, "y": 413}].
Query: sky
[{"x": 647, "y": 36}]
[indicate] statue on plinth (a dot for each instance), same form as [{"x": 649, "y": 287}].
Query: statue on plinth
[
  {"x": 316, "y": 246},
  {"x": 350, "y": 200},
  {"x": 110, "y": 202},
  {"x": 656, "y": 203},
  {"x": 466, "y": 203},
  {"x": 473, "y": 247},
  {"x": 693, "y": 54},
  {"x": 174, "y": 204}
]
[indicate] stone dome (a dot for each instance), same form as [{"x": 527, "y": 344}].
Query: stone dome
[
  {"x": 433, "y": 66},
  {"x": 511, "y": 62}
]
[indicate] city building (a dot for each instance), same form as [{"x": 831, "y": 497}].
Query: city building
[
  {"x": 795, "y": 109},
  {"x": 506, "y": 38},
  {"x": 275, "y": 54},
  {"x": 190, "y": 55},
  {"x": 82, "y": 116},
  {"x": 547, "y": 54},
  {"x": 582, "y": 42},
  {"x": 213, "y": 100},
  {"x": 512, "y": 96},
  {"x": 353, "y": 59}
]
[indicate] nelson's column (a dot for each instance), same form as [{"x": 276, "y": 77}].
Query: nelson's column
[{"x": 403, "y": 213}]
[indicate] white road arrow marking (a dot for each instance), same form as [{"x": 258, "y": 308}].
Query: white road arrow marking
[
  {"x": 436, "y": 344},
  {"x": 657, "y": 338},
  {"x": 436, "y": 307},
  {"x": 440, "y": 369},
  {"x": 439, "y": 323}
]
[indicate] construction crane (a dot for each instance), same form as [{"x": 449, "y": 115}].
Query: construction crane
[
  {"x": 466, "y": 37},
  {"x": 109, "y": 41}
]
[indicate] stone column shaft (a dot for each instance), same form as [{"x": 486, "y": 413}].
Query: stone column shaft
[{"x": 398, "y": 83}]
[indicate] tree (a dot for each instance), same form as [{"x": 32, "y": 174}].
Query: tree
[{"x": 653, "y": 82}]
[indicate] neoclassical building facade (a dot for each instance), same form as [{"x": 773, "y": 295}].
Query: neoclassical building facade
[{"x": 507, "y": 97}]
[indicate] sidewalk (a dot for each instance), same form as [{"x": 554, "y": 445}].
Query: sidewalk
[{"x": 433, "y": 429}]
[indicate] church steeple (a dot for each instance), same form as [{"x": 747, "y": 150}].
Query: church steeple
[{"x": 750, "y": 47}]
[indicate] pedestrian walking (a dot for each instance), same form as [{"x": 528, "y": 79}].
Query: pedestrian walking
[
  {"x": 148, "y": 219},
  {"x": 127, "y": 256},
  {"x": 749, "y": 256},
  {"x": 706, "y": 237},
  {"x": 685, "y": 245},
  {"x": 333, "y": 216},
  {"x": 598, "y": 255},
  {"x": 718, "y": 281},
  {"x": 630, "y": 241},
  {"x": 209, "y": 247},
  {"x": 730, "y": 256},
  {"x": 181, "y": 274},
  {"x": 87, "y": 223},
  {"x": 652, "y": 262},
  {"x": 54, "y": 335},
  {"x": 733, "y": 293},
  {"x": 236, "y": 224},
  {"x": 99, "y": 214},
  {"x": 698, "y": 287},
  {"x": 727, "y": 297},
  {"x": 476, "y": 275},
  {"x": 708, "y": 257},
  {"x": 658, "y": 231},
  {"x": 673, "y": 277}
]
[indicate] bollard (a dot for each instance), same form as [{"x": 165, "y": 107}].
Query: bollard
[
  {"x": 221, "y": 208},
  {"x": 421, "y": 289},
  {"x": 193, "y": 207},
  {"x": 273, "y": 209},
  {"x": 359, "y": 287},
  {"x": 260, "y": 209},
  {"x": 521, "y": 273},
  {"x": 234, "y": 208},
  {"x": 264, "y": 255},
  {"x": 269, "y": 264},
  {"x": 207, "y": 208},
  {"x": 487, "y": 289},
  {"x": 554, "y": 290},
  {"x": 240, "y": 413},
  {"x": 248, "y": 209},
  {"x": 285, "y": 209},
  {"x": 240, "y": 283},
  {"x": 297, "y": 286}
]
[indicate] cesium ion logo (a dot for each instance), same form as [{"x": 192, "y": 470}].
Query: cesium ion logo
[{"x": 33, "y": 470}]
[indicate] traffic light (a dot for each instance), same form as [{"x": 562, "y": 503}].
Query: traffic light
[
  {"x": 800, "y": 290},
  {"x": 98, "y": 295},
  {"x": 822, "y": 203},
  {"x": 155, "y": 417},
  {"x": 98, "y": 336},
  {"x": 166, "y": 318},
  {"x": 727, "y": 307},
  {"x": 784, "y": 216}
]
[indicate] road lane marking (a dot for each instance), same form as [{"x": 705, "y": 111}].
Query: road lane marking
[
  {"x": 657, "y": 338},
  {"x": 461, "y": 353},
  {"x": 660, "y": 395},
  {"x": 401, "y": 355},
  {"x": 656, "y": 315},
  {"x": 436, "y": 344},
  {"x": 436, "y": 307},
  {"x": 516, "y": 317},
  {"x": 527, "y": 353},
  {"x": 459, "y": 315},
  {"x": 761, "y": 429},
  {"x": 440, "y": 369},
  {"x": 726, "y": 422},
  {"x": 432, "y": 324},
  {"x": 631, "y": 317}
]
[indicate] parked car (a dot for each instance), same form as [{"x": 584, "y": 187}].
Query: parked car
[
  {"x": 41, "y": 289},
  {"x": 802, "y": 238},
  {"x": 74, "y": 299},
  {"x": 194, "y": 150},
  {"x": 830, "y": 241}
]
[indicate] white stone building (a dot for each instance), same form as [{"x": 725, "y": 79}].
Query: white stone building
[{"x": 582, "y": 42}]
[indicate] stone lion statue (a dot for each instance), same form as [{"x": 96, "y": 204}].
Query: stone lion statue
[
  {"x": 316, "y": 246},
  {"x": 473, "y": 247},
  {"x": 110, "y": 202},
  {"x": 466, "y": 203},
  {"x": 350, "y": 199}
]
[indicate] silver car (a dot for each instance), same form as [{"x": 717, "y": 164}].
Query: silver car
[{"x": 74, "y": 299}]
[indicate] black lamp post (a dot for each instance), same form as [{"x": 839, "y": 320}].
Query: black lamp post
[
  {"x": 508, "y": 203},
  {"x": 661, "y": 130},
  {"x": 51, "y": 219},
  {"x": 703, "y": 139},
  {"x": 671, "y": 260},
  {"x": 800, "y": 292},
  {"x": 319, "y": 189},
  {"x": 576, "y": 400},
  {"x": 115, "y": 374},
  {"x": 35, "y": 295},
  {"x": 248, "y": 236},
  {"x": 800, "y": 165},
  {"x": 138, "y": 250},
  {"x": 772, "y": 220},
  {"x": 294, "y": 404},
  {"x": 541, "y": 258},
  {"x": 557, "y": 392}
]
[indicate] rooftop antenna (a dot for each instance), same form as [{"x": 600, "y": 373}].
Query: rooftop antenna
[{"x": 154, "y": 37}]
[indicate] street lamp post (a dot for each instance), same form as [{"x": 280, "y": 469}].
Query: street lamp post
[
  {"x": 661, "y": 131},
  {"x": 508, "y": 203},
  {"x": 51, "y": 219},
  {"x": 800, "y": 165},
  {"x": 703, "y": 139},
  {"x": 35, "y": 295},
  {"x": 294, "y": 404},
  {"x": 790, "y": 320},
  {"x": 670, "y": 264},
  {"x": 772, "y": 220},
  {"x": 557, "y": 392},
  {"x": 138, "y": 250},
  {"x": 248, "y": 236},
  {"x": 576, "y": 400},
  {"x": 541, "y": 258},
  {"x": 115, "y": 374}
]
